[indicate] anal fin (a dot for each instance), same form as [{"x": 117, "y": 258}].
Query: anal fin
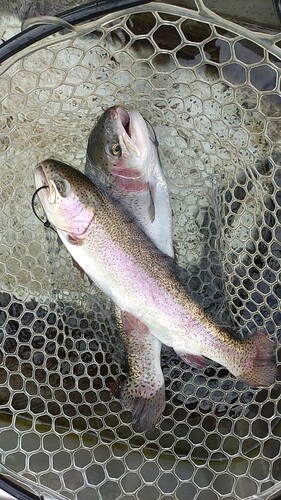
[{"x": 193, "y": 360}]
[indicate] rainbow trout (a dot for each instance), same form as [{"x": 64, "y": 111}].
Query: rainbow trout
[
  {"x": 139, "y": 278},
  {"x": 122, "y": 157}
]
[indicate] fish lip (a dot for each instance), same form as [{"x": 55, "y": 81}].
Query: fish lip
[
  {"x": 128, "y": 134},
  {"x": 40, "y": 177},
  {"x": 41, "y": 180},
  {"x": 124, "y": 118}
]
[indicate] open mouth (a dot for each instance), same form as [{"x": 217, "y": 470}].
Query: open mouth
[
  {"x": 41, "y": 184},
  {"x": 41, "y": 180},
  {"x": 130, "y": 134},
  {"x": 125, "y": 120},
  {"x": 40, "y": 177}
]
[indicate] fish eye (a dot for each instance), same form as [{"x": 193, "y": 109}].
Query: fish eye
[
  {"x": 116, "y": 149},
  {"x": 63, "y": 187}
]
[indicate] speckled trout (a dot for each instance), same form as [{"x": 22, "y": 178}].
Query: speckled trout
[
  {"x": 122, "y": 157},
  {"x": 118, "y": 256},
  {"x": 122, "y": 154}
]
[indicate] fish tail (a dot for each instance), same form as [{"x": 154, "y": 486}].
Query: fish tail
[
  {"x": 143, "y": 392},
  {"x": 146, "y": 403},
  {"x": 262, "y": 367}
]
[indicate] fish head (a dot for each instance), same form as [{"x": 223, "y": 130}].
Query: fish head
[
  {"x": 65, "y": 196},
  {"x": 121, "y": 144}
]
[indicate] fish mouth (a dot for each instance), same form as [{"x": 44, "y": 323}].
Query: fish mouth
[
  {"x": 40, "y": 178},
  {"x": 125, "y": 119},
  {"x": 41, "y": 182},
  {"x": 130, "y": 132},
  {"x": 47, "y": 195}
]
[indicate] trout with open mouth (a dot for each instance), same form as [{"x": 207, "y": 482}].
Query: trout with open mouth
[
  {"x": 122, "y": 158},
  {"x": 122, "y": 155},
  {"x": 117, "y": 255}
]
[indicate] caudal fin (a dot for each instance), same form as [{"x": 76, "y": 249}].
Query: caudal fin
[
  {"x": 147, "y": 404},
  {"x": 261, "y": 366}
]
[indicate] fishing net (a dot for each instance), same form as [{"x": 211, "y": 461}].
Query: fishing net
[{"x": 211, "y": 90}]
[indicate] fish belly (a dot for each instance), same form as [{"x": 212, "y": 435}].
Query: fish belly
[{"x": 131, "y": 289}]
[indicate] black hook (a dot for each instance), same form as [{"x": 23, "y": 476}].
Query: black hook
[{"x": 45, "y": 223}]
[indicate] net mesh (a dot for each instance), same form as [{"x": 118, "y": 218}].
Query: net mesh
[{"x": 213, "y": 97}]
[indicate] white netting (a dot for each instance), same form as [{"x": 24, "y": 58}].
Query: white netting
[{"x": 213, "y": 97}]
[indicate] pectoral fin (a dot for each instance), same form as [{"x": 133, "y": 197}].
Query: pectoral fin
[
  {"x": 59, "y": 243},
  {"x": 151, "y": 206},
  {"x": 81, "y": 271}
]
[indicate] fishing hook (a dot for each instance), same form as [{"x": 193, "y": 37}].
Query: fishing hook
[{"x": 45, "y": 223}]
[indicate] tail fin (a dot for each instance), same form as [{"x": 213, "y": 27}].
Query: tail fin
[
  {"x": 146, "y": 403},
  {"x": 144, "y": 390},
  {"x": 262, "y": 366}
]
